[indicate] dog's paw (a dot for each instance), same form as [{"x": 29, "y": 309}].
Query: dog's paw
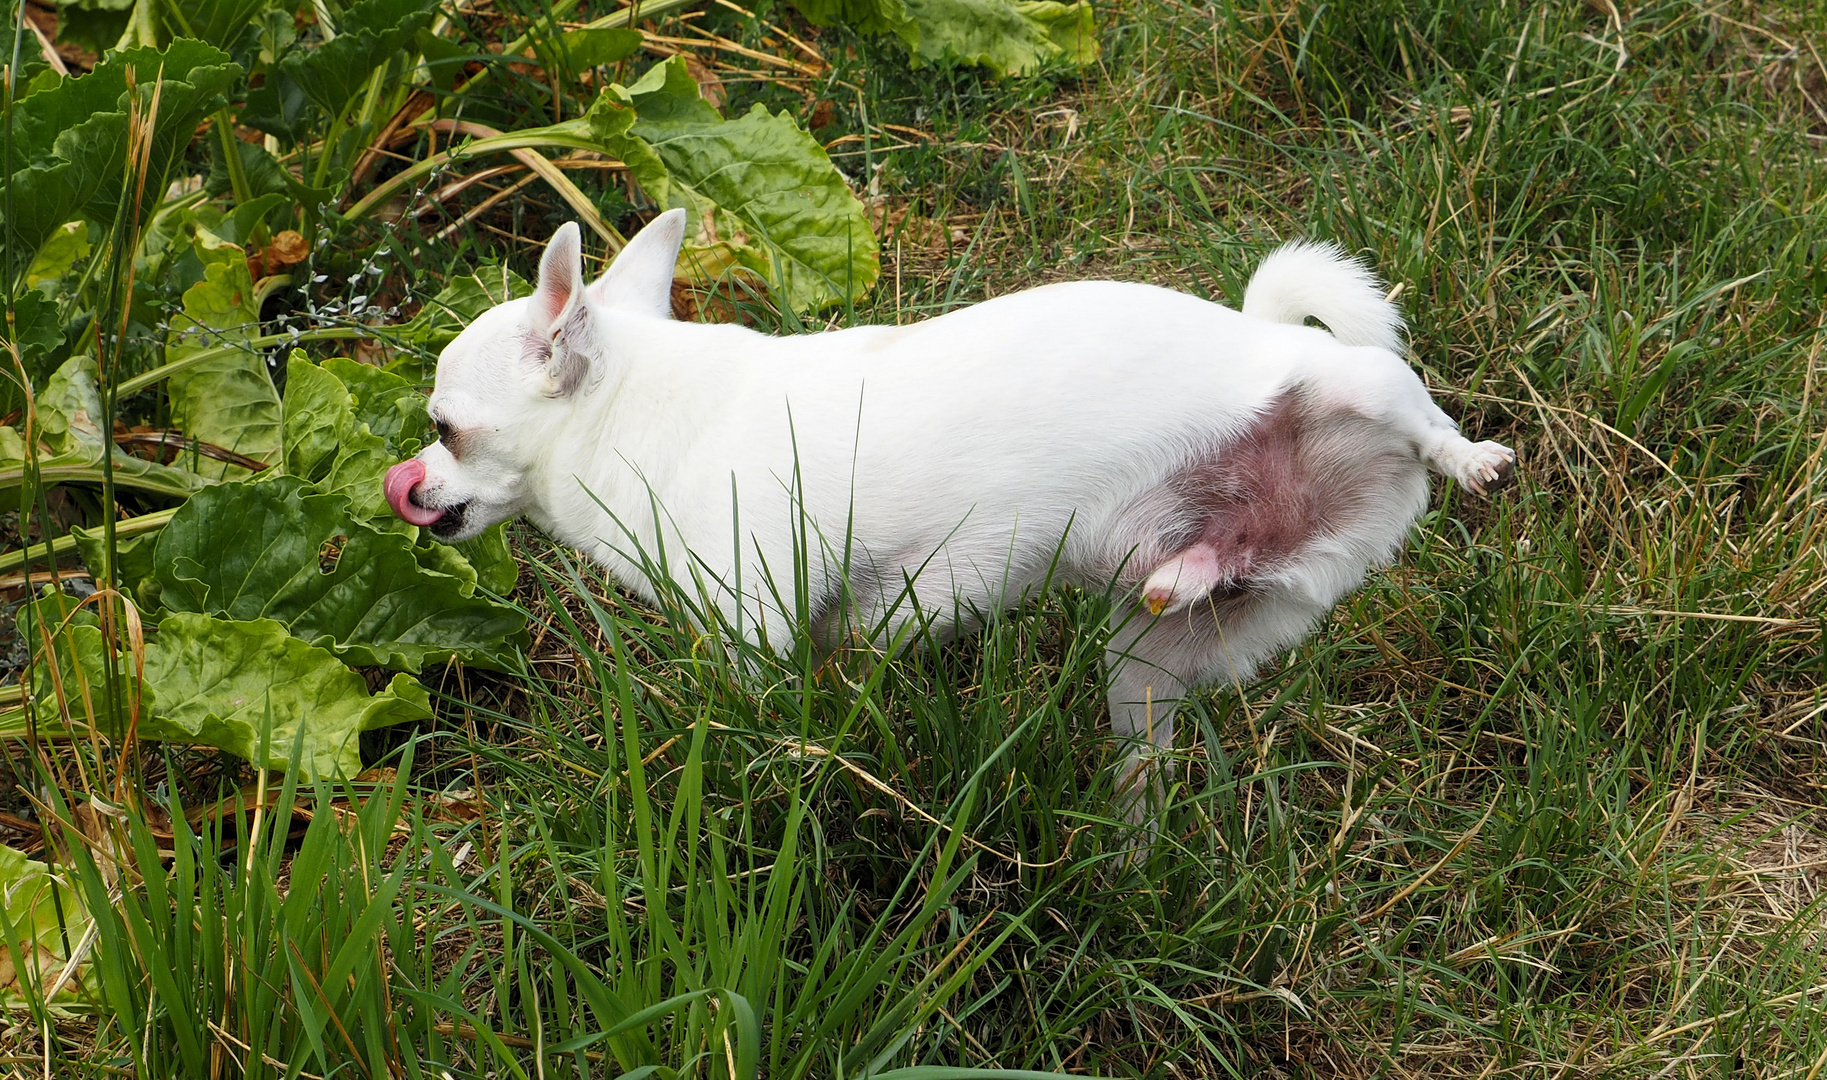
[{"x": 1484, "y": 467}]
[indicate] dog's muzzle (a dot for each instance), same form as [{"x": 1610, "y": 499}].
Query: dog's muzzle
[{"x": 401, "y": 487}]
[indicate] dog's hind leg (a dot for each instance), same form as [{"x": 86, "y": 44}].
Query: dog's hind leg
[
  {"x": 1154, "y": 663},
  {"x": 1481, "y": 466},
  {"x": 1387, "y": 390},
  {"x": 1151, "y": 664}
]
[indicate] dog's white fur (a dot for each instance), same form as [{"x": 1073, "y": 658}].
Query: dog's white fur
[{"x": 1100, "y": 434}]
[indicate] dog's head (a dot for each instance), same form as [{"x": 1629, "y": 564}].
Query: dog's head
[{"x": 505, "y": 384}]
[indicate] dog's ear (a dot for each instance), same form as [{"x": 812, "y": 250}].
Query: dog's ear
[
  {"x": 559, "y": 310},
  {"x": 561, "y": 281},
  {"x": 640, "y": 278}
]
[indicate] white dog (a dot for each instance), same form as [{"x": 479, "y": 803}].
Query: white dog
[{"x": 1229, "y": 477}]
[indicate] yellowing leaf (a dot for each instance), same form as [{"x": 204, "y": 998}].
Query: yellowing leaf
[
  {"x": 42, "y": 917},
  {"x": 761, "y": 193},
  {"x": 252, "y": 689},
  {"x": 1012, "y": 37}
]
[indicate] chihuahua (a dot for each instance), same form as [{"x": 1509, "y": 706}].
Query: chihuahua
[{"x": 1228, "y": 476}]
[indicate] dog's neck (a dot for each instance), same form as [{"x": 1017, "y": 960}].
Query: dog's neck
[{"x": 654, "y": 387}]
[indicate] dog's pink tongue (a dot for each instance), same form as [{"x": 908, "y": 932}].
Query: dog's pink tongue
[{"x": 398, "y": 485}]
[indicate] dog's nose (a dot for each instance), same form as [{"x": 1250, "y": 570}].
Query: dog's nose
[{"x": 398, "y": 486}]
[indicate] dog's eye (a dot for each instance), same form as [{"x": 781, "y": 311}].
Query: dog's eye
[{"x": 443, "y": 430}]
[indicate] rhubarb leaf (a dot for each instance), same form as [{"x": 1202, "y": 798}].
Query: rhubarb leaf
[
  {"x": 69, "y": 148},
  {"x": 761, "y": 193},
  {"x": 280, "y": 550},
  {"x": 1011, "y": 37},
  {"x": 249, "y": 688},
  {"x": 229, "y": 400},
  {"x": 329, "y": 74}
]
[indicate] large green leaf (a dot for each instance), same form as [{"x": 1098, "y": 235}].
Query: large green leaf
[
  {"x": 245, "y": 687},
  {"x": 329, "y": 434},
  {"x": 70, "y": 679},
  {"x": 386, "y": 422},
  {"x": 590, "y": 47},
  {"x": 494, "y": 563},
  {"x": 332, "y": 412},
  {"x": 346, "y": 424},
  {"x": 368, "y": 36},
  {"x": 667, "y": 93},
  {"x": 280, "y": 550},
  {"x": 761, "y": 193},
  {"x": 384, "y": 402},
  {"x": 863, "y": 16},
  {"x": 38, "y": 332},
  {"x": 70, "y": 405},
  {"x": 61, "y": 184},
  {"x": 483, "y": 560},
  {"x": 70, "y": 140},
  {"x": 361, "y": 463},
  {"x": 95, "y": 25},
  {"x": 318, "y": 412},
  {"x": 250, "y": 687},
  {"x": 1011, "y": 37},
  {"x": 227, "y": 400},
  {"x": 229, "y": 24},
  {"x": 68, "y": 244}
]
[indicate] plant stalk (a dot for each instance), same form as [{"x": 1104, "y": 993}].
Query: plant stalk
[
  {"x": 569, "y": 135},
  {"x": 147, "y": 379}
]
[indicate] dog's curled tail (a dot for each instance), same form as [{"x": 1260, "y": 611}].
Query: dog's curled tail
[{"x": 1306, "y": 279}]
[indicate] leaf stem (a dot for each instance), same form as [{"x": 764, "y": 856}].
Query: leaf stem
[
  {"x": 63, "y": 545},
  {"x": 572, "y": 135},
  {"x": 91, "y": 472},
  {"x": 231, "y": 157},
  {"x": 163, "y": 371}
]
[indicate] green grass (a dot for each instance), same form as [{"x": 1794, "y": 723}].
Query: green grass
[
  {"x": 1534, "y": 800},
  {"x": 1543, "y": 800}
]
